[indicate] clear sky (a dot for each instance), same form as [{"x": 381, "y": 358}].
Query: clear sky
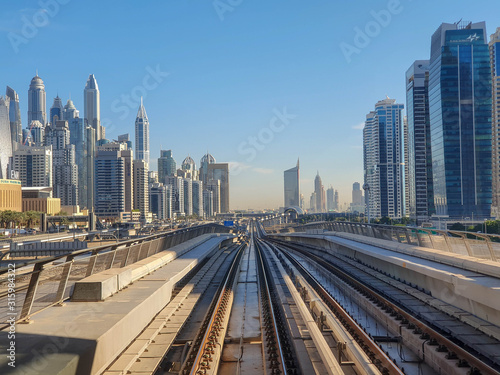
[{"x": 257, "y": 83}]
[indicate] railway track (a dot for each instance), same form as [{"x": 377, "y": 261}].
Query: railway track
[{"x": 460, "y": 343}]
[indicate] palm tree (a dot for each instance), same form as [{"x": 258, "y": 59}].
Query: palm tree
[{"x": 32, "y": 217}]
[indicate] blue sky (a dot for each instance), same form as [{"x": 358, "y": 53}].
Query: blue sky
[{"x": 227, "y": 72}]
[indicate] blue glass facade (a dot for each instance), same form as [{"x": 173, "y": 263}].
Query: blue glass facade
[{"x": 460, "y": 117}]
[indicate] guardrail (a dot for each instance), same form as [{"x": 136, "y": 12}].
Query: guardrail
[
  {"x": 478, "y": 245},
  {"x": 50, "y": 280}
]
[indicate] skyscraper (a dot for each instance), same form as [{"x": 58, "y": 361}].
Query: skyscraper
[
  {"x": 142, "y": 135},
  {"x": 160, "y": 200},
  {"x": 460, "y": 108},
  {"x": 166, "y": 165},
  {"x": 419, "y": 161},
  {"x": 198, "y": 198},
  {"x": 188, "y": 196},
  {"x": 141, "y": 193},
  {"x": 220, "y": 171},
  {"x": 204, "y": 162},
  {"x": 90, "y": 152},
  {"x": 330, "y": 199},
  {"x": 77, "y": 138},
  {"x": 177, "y": 186},
  {"x": 34, "y": 165},
  {"x": 189, "y": 168},
  {"x": 319, "y": 190},
  {"x": 214, "y": 187},
  {"x": 16, "y": 130},
  {"x": 358, "y": 202},
  {"x": 56, "y": 110},
  {"x": 5, "y": 138},
  {"x": 92, "y": 106},
  {"x": 64, "y": 169},
  {"x": 292, "y": 186},
  {"x": 109, "y": 182},
  {"x": 495, "y": 120},
  {"x": 37, "y": 101},
  {"x": 383, "y": 160}
]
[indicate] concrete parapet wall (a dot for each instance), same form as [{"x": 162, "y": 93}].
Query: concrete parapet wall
[
  {"x": 462, "y": 281},
  {"x": 85, "y": 337}
]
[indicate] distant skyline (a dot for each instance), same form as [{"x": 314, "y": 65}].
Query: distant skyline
[{"x": 258, "y": 86}]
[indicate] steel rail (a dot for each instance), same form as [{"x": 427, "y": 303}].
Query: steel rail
[{"x": 452, "y": 347}]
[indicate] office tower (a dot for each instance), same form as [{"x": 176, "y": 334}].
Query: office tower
[
  {"x": 77, "y": 138},
  {"x": 89, "y": 163},
  {"x": 312, "y": 202},
  {"x": 188, "y": 196},
  {"x": 188, "y": 166},
  {"x": 36, "y": 134},
  {"x": 358, "y": 202},
  {"x": 336, "y": 204},
  {"x": 126, "y": 155},
  {"x": 64, "y": 169},
  {"x": 382, "y": 153},
  {"x": 220, "y": 171},
  {"x": 292, "y": 186},
  {"x": 460, "y": 108},
  {"x": 142, "y": 135},
  {"x": 198, "y": 198},
  {"x": 36, "y": 101},
  {"x": 214, "y": 187},
  {"x": 141, "y": 194},
  {"x": 494, "y": 46},
  {"x": 177, "y": 186},
  {"x": 166, "y": 165},
  {"x": 208, "y": 203},
  {"x": 204, "y": 162},
  {"x": 34, "y": 165},
  {"x": 330, "y": 199},
  {"x": 16, "y": 131},
  {"x": 56, "y": 110},
  {"x": 160, "y": 203},
  {"x": 5, "y": 138},
  {"x": 419, "y": 185},
  {"x": 115, "y": 194},
  {"x": 92, "y": 107},
  {"x": 302, "y": 201},
  {"x": 319, "y": 189}
]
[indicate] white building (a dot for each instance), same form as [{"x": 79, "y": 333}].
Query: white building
[{"x": 383, "y": 161}]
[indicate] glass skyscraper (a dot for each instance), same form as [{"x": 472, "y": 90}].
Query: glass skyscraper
[
  {"x": 292, "y": 186},
  {"x": 460, "y": 118},
  {"x": 419, "y": 161},
  {"x": 16, "y": 131},
  {"x": 495, "y": 120}
]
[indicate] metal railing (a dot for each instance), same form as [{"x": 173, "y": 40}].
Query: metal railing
[
  {"x": 49, "y": 281},
  {"x": 477, "y": 245}
]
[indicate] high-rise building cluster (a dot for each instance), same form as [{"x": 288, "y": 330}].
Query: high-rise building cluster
[
  {"x": 320, "y": 200},
  {"x": 443, "y": 160},
  {"x": 70, "y": 157}
]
